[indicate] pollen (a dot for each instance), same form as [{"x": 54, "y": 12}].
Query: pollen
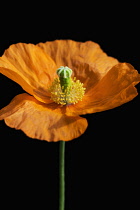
[{"x": 70, "y": 95}]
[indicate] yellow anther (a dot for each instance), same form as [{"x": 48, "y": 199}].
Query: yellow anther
[{"x": 71, "y": 95}]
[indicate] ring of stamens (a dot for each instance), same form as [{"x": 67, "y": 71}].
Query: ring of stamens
[{"x": 70, "y": 95}]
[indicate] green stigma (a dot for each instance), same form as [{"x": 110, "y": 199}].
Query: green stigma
[
  {"x": 65, "y": 90},
  {"x": 64, "y": 74}
]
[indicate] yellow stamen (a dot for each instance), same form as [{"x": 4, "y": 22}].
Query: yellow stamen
[{"x": 70, "y": 95}]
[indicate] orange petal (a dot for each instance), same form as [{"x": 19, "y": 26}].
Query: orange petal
[
  {"x": 41, "y": 121},
  {"x": 30, "y": 67},
  {"x": 70, "y": 53},
  {"x": 114, "y": 89}
]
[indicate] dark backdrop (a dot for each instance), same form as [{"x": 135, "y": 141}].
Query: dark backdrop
[{"x": 101, "y": 165}]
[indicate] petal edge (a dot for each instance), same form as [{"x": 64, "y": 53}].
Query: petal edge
[{"x": 40, "y": 121}]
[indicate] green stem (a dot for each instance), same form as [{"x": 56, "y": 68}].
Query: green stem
[{"x": 62, "y": 175}]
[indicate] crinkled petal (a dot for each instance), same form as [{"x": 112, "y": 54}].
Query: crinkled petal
[
  {"x": 30, "y": 67},
  {"x": 70, "y": 53},
  {"x": 114, "y": 89},
  {"x": 41, "y": 121}
]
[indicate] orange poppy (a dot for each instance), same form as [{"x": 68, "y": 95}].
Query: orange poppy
[{"x": 101, "y": 83}]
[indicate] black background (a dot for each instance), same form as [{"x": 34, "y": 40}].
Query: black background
[{"x": 102, "y": 164}]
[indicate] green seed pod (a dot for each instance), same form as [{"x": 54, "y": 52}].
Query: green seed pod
[
  {"x": 65, "y": 83},
  {"x": 64, "y": 74}
]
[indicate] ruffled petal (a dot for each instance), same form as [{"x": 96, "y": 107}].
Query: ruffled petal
[
  {"x": 30, "y": 67},
  {"x": 114, "y": 89},
  {"x": 87, "y": 60},
  {"x": 40, "y": 121},
  {"x": 70, "y": 53}
]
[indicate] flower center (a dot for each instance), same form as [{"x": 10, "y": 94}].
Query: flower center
[{"x": 65, "y": 90}]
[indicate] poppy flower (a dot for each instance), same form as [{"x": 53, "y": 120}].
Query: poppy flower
[{"x": 64, "y": 79}]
